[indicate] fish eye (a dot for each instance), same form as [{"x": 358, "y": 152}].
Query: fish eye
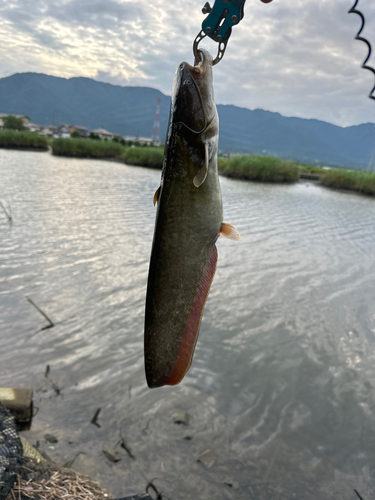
[{"x": 187, "y": 82}]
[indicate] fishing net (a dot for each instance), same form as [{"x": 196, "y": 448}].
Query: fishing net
[{"x": 11, "y": 454}]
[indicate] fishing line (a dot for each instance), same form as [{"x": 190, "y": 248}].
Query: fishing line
[{"x": 353, "y": 10}]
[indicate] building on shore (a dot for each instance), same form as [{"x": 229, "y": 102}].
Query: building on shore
[
  {"x": 103, "y": 134},
  {"x": 63, "y": 131},
  {"x": 46, "y": 130},
  {"x": 83, "y": 131},
  {"x": 142, "y": 140}
]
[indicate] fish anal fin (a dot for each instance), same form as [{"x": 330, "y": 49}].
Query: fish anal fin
[
  {"x": 202, "y": 173},
  {"x": 157, "y": 195},
  {"x": 229, "y": 232}
]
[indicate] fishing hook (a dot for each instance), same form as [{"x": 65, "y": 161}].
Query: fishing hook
[{"x": 353, "y": 10}]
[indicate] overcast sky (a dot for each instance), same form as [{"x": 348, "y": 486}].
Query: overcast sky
[{"x": 296, "y": 57}]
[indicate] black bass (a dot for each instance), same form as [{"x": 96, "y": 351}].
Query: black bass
[{"x": 189, "y": 220}]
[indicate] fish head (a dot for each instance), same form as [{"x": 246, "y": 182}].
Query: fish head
[{"x": 193, "y": 103}]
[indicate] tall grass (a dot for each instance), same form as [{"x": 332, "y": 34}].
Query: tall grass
[
  {"x": 355, "y": 180},
  {"x": 259, "y": 168},
  {"x": 86, "y": 148},
  {"x": 147, "y": 157},
  {"x": 13, "y": 139}
]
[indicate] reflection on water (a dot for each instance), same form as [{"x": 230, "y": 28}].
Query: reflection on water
[{"x": 282, "y": 382}]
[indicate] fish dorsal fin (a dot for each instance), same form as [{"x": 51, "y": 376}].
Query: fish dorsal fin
[
  {"x": 202, "y": 174},
  {"x": 157, "y": 195},
  {"x": 229, "y": 232}
]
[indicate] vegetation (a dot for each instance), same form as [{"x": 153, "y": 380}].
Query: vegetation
[
  {"x": 356, "y": 180},
  {"x": 94, "y": 137},
  {"x": 259, "y": 168},
  {"x": 311, "y": 170},
  {"x": 129, "y": 144},
  {"x": 247, "y": 167},
  {"x": 85, "y": 148},
  {"x": 13, "y": 139},
  {"x": 13, "y": 123},
  {"x": 75, "y": 134},
  {"x": 146, "y": 156}
]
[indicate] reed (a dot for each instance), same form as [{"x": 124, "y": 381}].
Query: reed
[
  {"x": 259, "y": 168},
  {"x": 86, "y": 148},
  {"x": 12, "y": 139},
  {"x": 145, "y": 156},
  {"x": 354, "y": 180}
]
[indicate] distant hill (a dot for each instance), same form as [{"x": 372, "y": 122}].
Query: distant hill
[{"x": 131, "y": 110}]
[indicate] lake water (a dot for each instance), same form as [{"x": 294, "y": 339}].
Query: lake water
[{"x": 282, "y": 385}]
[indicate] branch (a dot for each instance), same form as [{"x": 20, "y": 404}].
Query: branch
[
  {"x": 8, "y": 215},
  {"x": 51, "y": 324}
]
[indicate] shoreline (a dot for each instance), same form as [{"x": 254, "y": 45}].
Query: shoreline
[
  {"x": 26, "y": 148},
  {"x": 360, "y": 182}
]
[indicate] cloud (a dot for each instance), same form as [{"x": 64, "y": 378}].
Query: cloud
[{"x": 297, "y": 57}]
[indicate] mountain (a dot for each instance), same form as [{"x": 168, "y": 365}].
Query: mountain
[{"x": 131, "y": 111}]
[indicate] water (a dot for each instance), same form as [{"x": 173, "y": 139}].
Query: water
[{"x": 282, "y": 382}]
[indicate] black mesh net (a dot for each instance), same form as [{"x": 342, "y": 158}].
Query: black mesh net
[{"x": 11, "y": 454}]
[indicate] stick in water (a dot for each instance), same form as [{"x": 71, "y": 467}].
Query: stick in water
[
  {"x": 51, "y": 324},
  {"x": 94, "y": 419},
  {"x": 8, "y": 215}
]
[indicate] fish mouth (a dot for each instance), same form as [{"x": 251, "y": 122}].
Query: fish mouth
[
  {"x": 193, "y": 75},
  {"x": 200, "y": 66}
]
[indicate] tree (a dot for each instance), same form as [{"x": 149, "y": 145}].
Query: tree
[
  {"x": 14, "y": 123},
  {"x": 75, "y": 134},
  {"x": 94, "y": 137}
]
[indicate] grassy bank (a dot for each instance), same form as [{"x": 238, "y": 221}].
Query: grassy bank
[
  {"x": 12, "y": 139},
  {"x": 259, "y": 168},
  {"x": 146, "y": 157},
  {"x": 85, "y": 148},
  {"x": 354, "y": 180}
]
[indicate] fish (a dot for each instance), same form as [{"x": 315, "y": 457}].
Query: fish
[{"x": 189, "y": 220}]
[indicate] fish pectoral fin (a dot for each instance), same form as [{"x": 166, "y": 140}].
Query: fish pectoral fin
[
  {"x": 229, "y": 232},
  {"x": 202, "y": 174},
  {"x": 157, "y": 195}
]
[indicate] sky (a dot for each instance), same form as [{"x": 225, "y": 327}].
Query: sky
[{"x": 295, "y": 57}]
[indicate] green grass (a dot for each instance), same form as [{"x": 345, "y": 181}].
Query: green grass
[
  {"x": 13, "y": 139},
  {"x": 145, "y": 156},
  {"x": 355, "y": 180},
  {"x": 259, "y": 168},
  {"x": 86, "y": 148},
  {"x": 311, "y": 170}
]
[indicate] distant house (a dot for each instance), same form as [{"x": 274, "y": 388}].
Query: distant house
[
  {"x": 103, "y": 134},
  {"x": 141, "y": 140},
  {"x": 46, "y": 130},
  {"x": 63, "y": 131},
  {"x": 25, "y": 119},
  {"x": 33, "y": 127},
  {"x": 83, "y": 131}
]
